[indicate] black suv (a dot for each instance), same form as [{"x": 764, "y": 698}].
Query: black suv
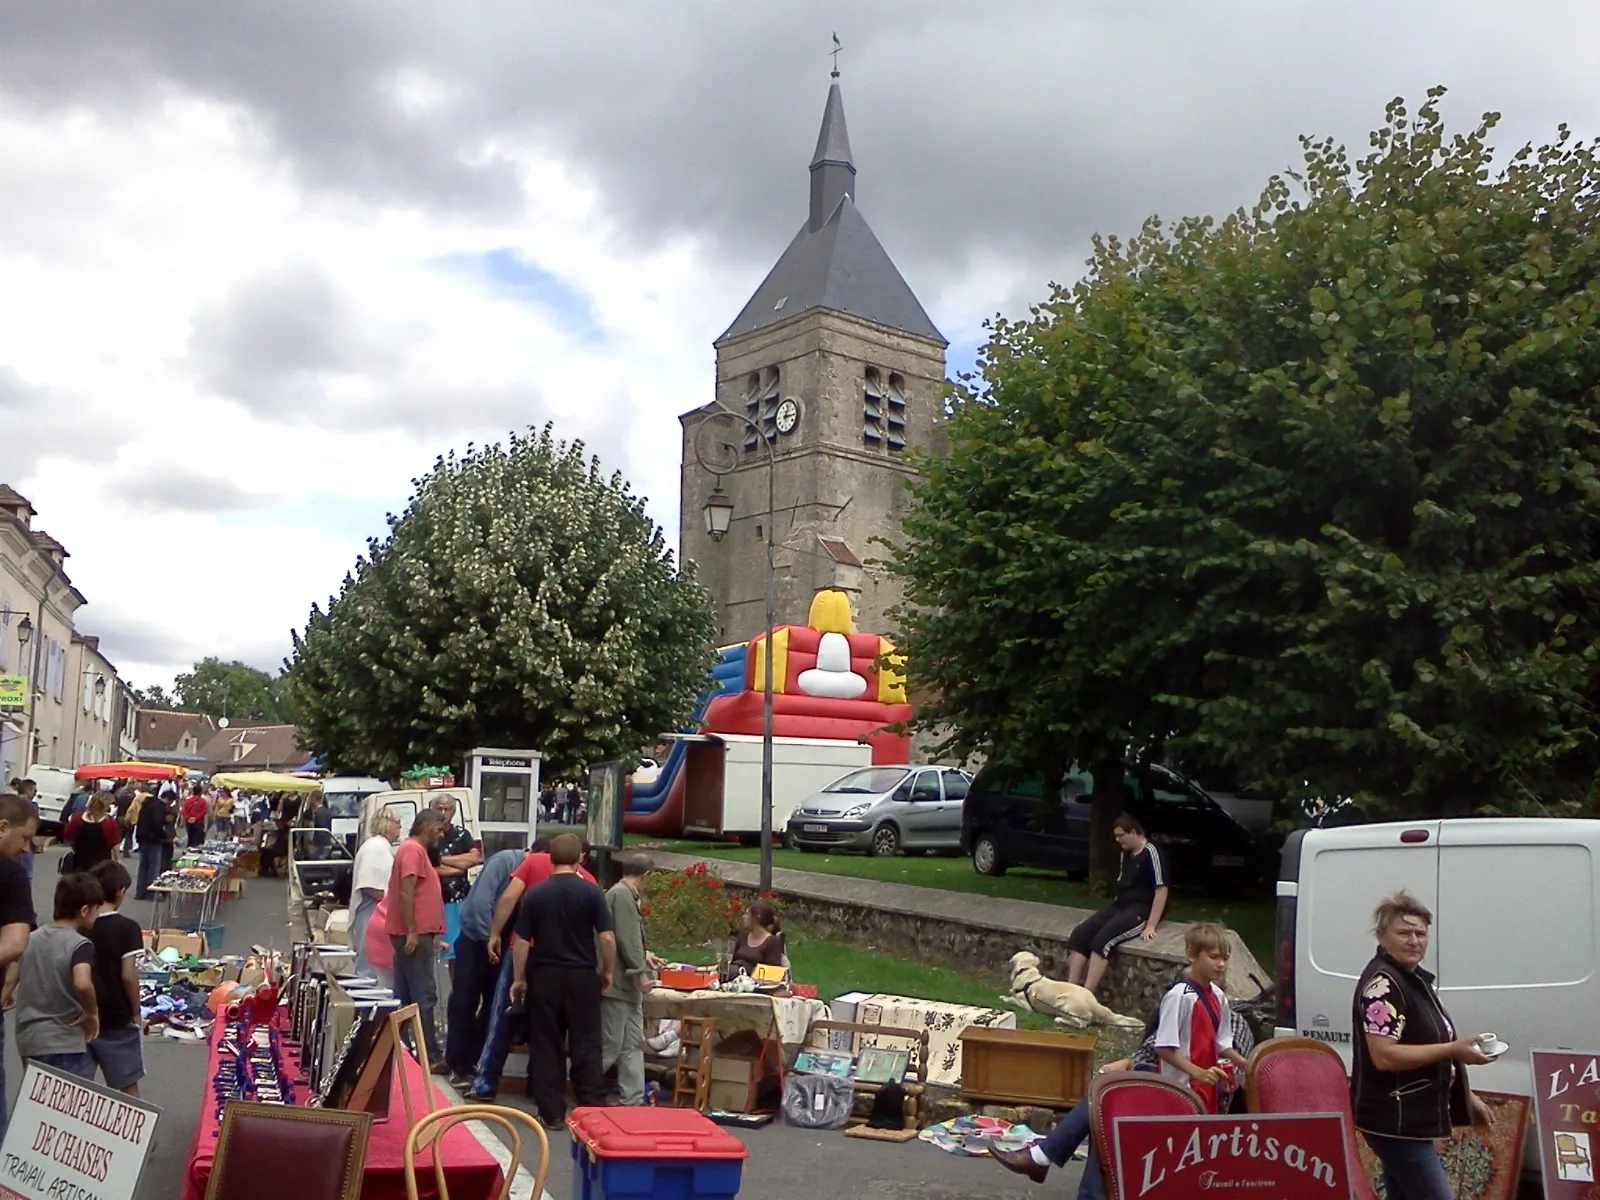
[{"x": 1008, "y": 821}]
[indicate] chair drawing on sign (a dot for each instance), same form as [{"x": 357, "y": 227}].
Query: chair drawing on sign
[
  {"x": 1120, "y": 1094},
  {"x": 1303, "y": 1075},
  {"x": 1570, "y": 1154}
]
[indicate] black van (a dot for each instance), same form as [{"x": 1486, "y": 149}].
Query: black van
[{"x": 1007, "y": 821}]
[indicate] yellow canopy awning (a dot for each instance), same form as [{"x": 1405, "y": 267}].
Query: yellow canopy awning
[{"x": 265, "y": 781}]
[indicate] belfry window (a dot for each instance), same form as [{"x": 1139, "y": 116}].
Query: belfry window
[{"x": 761, "y": 406}]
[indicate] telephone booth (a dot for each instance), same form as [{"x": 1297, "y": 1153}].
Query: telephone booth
[{"x": 505, "y": 789}]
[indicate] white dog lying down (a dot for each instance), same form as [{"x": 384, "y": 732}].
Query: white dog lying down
[{"x": 1069, "y": 1003}]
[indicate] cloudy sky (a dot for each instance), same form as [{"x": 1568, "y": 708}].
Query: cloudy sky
[{"x": 264, "y": 260}]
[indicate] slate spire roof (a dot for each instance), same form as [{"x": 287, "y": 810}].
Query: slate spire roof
[{"x": 835, "y": 261}]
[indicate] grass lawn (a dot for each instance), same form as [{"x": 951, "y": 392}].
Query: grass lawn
[{"x": 1251, "y": 917}]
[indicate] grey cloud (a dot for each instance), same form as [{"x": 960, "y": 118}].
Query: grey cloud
[
  {"x": 272, "y": 335},
  {"x": 1013, "y": 129},
  {"x": 177, "y": 488},
  {"x": 38, "y": 421}
]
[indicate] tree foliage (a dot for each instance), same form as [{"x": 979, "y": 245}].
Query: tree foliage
[
  {"x": 234, "y": 690},
  {"x": 523, "y": 599},
  {"x": 1310, "y": 492}
]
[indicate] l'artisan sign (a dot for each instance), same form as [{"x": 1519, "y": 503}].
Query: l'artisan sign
[{"x": 1268, "y": 1155}]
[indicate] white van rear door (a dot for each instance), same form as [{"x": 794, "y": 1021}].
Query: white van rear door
[
  {"x": 1343, "y": 874},
  {"x": 1515, "y": 936}
]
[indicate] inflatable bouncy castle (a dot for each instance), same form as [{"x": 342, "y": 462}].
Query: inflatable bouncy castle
[{"x": 828, "y": 682}]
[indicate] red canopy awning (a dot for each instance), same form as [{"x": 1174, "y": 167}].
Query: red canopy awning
[{"x": 129, "y": 770}]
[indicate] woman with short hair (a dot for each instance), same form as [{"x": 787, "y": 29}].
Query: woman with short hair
[{"x": 1408, "y": 1083}]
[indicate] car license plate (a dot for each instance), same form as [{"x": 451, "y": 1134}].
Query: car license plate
[
  {"x": 813, "y": 829},
  {"x": 1227, "y": 860}
]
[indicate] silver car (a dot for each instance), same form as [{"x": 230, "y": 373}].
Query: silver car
[{"x": 883, "y": 810}]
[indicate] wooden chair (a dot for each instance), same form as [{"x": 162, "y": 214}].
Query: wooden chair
[
  {"x": 1120, "y": 1094},
  {"x": 268, "y": 1151},
  {"x": 916, "y": 1080},
  {"x": 1303, "y": 1075},
  {"x": 432, "y": 1128},
  {"x": 691, "y": 1077}
]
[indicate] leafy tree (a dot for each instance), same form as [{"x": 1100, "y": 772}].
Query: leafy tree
[
  {"x": 522, "y": 599},
  {"x": 1310, "y": 492},
  {"x": 234, "y": 690},
  {"x": 154, "y": 696}
]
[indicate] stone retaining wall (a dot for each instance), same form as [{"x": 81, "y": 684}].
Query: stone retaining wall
[{"x": 1135, "y": 980}]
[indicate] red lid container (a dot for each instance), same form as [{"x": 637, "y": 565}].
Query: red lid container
[{"x": 653, "y": 1133}]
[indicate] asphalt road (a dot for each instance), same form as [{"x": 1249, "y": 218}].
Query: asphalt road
[{"x": 785, "y": 1163}]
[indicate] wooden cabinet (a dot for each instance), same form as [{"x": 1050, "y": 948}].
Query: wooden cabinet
[{"x": 1025, "y": 1066}]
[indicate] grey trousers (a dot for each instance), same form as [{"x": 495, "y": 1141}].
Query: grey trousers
[{"x": 622, "y": 1042}]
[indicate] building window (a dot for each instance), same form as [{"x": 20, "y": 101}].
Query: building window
[
  {"x": 761, "y": 407},
  {"x": 895, "y": 413},
  {"x": 872, "y": 409}
]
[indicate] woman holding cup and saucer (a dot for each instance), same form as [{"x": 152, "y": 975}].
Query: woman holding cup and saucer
[{"x": 1408, "y": 1083}]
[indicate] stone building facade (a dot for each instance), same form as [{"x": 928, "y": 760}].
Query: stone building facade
[{"x": 834, "y": 365}]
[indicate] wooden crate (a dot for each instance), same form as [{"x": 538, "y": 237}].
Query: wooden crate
[{"x": 1026, "y": 1066}]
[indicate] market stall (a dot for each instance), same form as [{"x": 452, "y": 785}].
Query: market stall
[
  {"x": 472, "y": 1172},
  {"x": 264, "y": 781},
  {"x": 145, "y": 772}
]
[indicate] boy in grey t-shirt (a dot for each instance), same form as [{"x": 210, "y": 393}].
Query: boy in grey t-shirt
[{"x": 57, "y": 1015}]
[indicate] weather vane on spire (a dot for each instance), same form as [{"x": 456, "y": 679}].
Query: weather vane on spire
[{"x": 837, "y": 46}]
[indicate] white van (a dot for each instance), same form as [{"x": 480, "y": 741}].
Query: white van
[
  {"x": 344, "y": 795},
  {"x": 56, "y": 786},
  {"x": 1516, "y": 906}
]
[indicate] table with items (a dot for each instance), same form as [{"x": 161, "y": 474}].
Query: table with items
[
  {"x": 189, "y": 895},
  {"x": 257, "y": 1062}
]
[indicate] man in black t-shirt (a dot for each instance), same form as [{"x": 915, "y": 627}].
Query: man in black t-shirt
[
  {"x": 1141, "y": 900},
  {"x": 567, "y": 921},
  {"x": 117, "y": 941},
  {"x": 18, "y": 824}
]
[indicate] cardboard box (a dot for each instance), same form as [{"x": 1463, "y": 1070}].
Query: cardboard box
[
  {"x": 184, "y": 943},
  {"x": 247, "y": 865},
  {"x": 235, "y": 888},
  {"x": 844, "y": 1008}
]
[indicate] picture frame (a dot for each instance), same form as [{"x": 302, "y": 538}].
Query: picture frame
[
  {"x": 882, "y": 1064},
  {"x": 823, "y": 1062}
]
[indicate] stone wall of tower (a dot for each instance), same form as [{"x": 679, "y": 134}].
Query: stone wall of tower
[{"x": 830, "y": 483}]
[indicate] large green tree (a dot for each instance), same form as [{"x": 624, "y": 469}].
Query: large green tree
[
  {"x": 1312, "y": 492},
  {"x": 234, "y": 690},
  {"x": 523, "y": 599}
]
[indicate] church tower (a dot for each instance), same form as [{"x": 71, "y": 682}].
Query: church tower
[{"x": 841, "y": 371}]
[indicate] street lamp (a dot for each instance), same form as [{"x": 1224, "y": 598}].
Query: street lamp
[
  {"x": 25, "y": 630},
  {"x": 720, "y": 458},
  {"x": 718, "y": 512},
  {"x": 24, "y": 636}
]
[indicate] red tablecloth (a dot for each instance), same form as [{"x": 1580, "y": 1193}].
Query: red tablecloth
[{"x": 472, "y": 1171}]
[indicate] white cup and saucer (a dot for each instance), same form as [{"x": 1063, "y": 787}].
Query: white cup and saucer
[{"x": 1491, "y": 1045}]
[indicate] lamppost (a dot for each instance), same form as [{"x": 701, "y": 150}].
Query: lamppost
[
  {"x": 721, "y": 458},
  {"x": 24, "y": 636}
]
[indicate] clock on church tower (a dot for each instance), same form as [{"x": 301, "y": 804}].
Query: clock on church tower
[{"x": 838, "y": 369}]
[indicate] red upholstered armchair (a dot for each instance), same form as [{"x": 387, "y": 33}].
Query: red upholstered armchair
[
  {"x": 269, "y": 1151},
  {"x": 1303, "y": 1075},
  {"x": 1121, "y": 1094}
]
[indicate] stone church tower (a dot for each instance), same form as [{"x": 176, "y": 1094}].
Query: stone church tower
[{"x": 837, "y": 364}]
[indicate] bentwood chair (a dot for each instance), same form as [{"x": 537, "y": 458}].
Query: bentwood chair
[
  {"x": 268, "y": 1151},
  {"x": 432, "y": 1128},
  {"x": 1119, "y": 1094},
  {"x": 1303, "y": 1075}
]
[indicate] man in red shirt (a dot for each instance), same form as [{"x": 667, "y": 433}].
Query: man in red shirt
[
  {"x": 414, "y": 921},
  {"x": 533, "y": 870},
  {"x": 194, "y": 813}
]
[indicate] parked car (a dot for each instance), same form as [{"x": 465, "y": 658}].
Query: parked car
[
  {"x": 883, "y": 810},
  {"x": 1008, "y": 821}
]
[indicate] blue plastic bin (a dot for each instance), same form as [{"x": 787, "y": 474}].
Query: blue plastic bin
[{"x": 654, "y": 1153}]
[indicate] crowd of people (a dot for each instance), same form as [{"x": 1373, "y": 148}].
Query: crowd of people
[
  {"x": 70, "y": 984},
  {"x": 535, "y": 947}
]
